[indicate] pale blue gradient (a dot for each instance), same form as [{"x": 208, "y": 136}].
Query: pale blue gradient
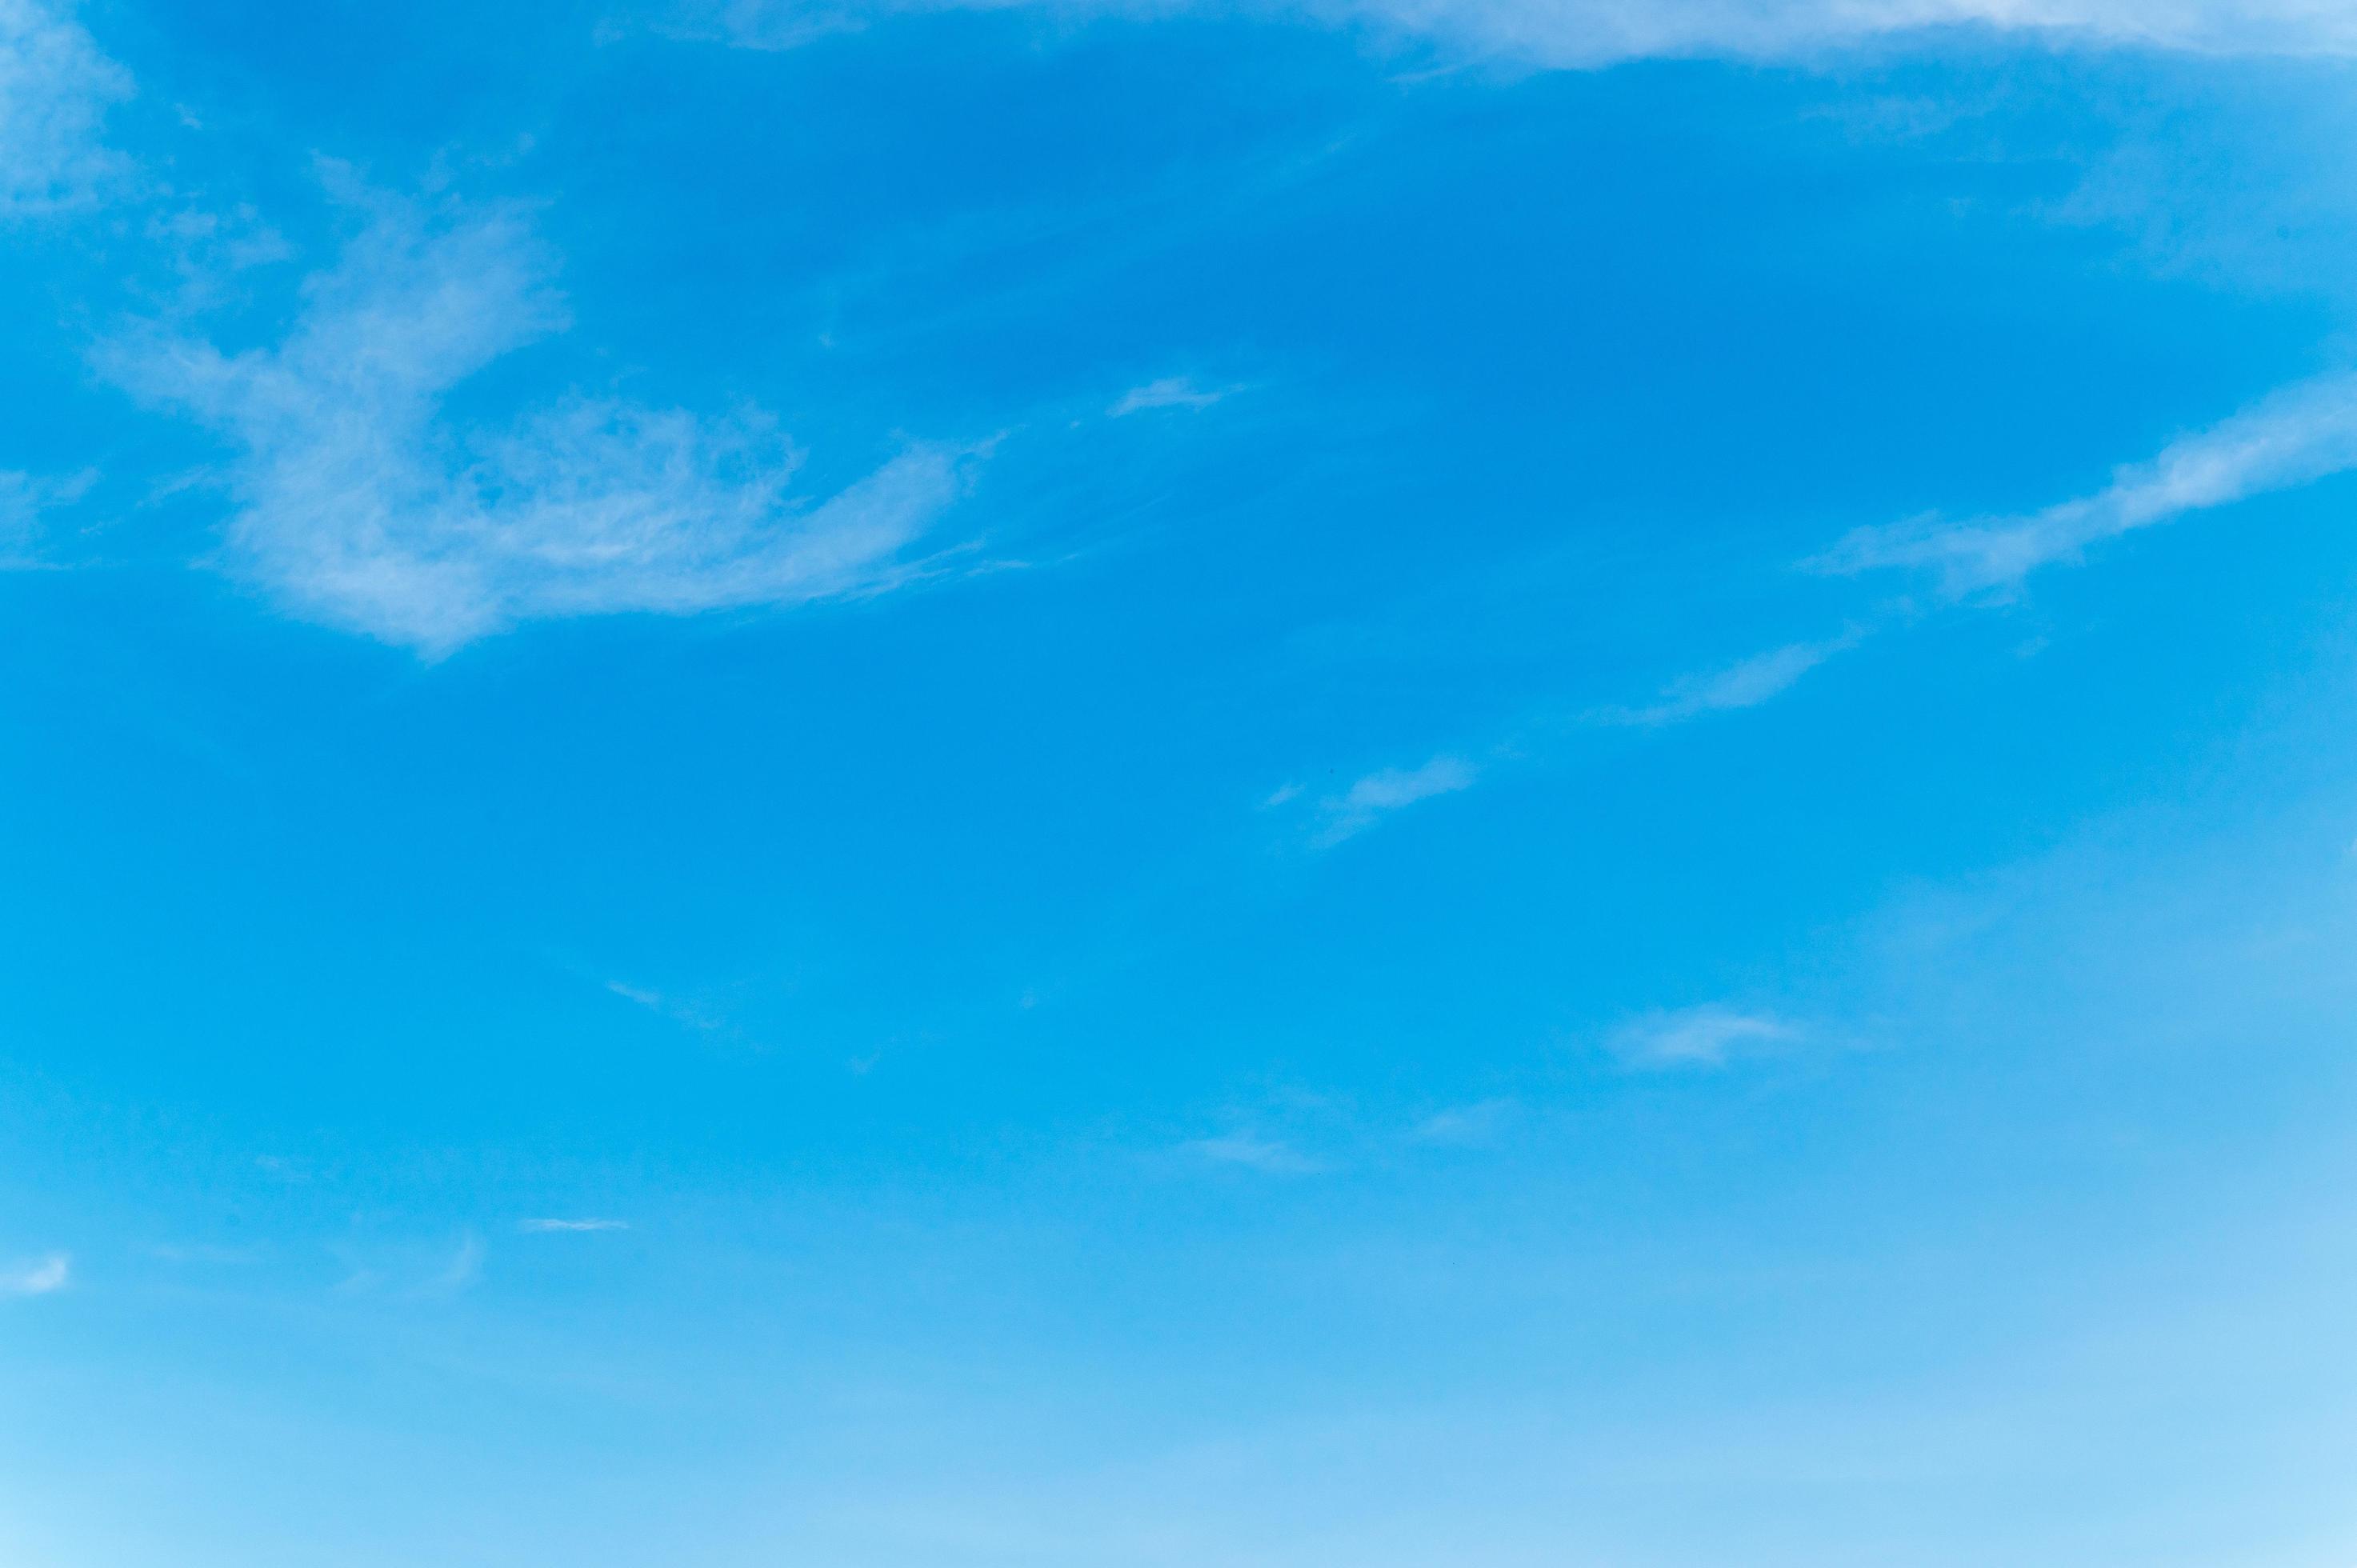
[{"x": 915, "y": 787}]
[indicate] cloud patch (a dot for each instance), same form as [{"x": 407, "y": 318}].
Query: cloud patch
[{"x": 359, "y": 503}]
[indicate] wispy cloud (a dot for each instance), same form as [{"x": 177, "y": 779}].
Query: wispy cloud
[
  {"x": 1595, "y": 33},
  {"x": 1462, "y": 1126},
  {"x": 464, "y": 1268},
  {"x": 360, "y": 504},
  {"x": 41, "y": 1278},
  {"x": 2296, "y": 436},
  {"x": 1694, "y": 1036},
  {"x": 1170, "y": 392},
  {"x": 1255, "y": 1153},
  {"x": 1745, "y": 684},
  {"x": 55, "y": 90},
  {"x": 678, "y": 1011},
  {"x": 555, "y": 1227},
  {"x": 1380, "y": 793},
  {"x": 24, "y": 500}
]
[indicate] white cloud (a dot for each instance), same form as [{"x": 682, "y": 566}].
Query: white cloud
[
  {"x": 2298, "y": 435},
  {"x": 1255, "y": 1153},
  {"x": 562, "y": 1227},
  {"x": 55, "y": 88},
  {"x": 1693, "y": 1037},
  {"x": 1170, "y": 392},
  {"x": 1380, "y": 793},
  {"x": 360, "y": 504},
  {"x": 1590, "y": 33},
  {"x": 42, "y": 1278},
  {"x": 1745, "y": 684}
]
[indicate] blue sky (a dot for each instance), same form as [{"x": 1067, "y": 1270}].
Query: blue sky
[{"x": 1355, "y": 783}]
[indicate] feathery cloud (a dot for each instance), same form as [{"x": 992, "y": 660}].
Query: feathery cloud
[
  {"x": 2296, "y": 436},
  {"x": 1693, "y": 1037},
  {"x": 55, "y": 90},
  {"x": 1380, "y": 793},
  {"x": 569, "y": 1226},
  {"x": 49, "y": 1274},
  {"x": 360, "y": 504}
]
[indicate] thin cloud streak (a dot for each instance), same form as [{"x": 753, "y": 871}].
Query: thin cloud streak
[
  {"x": 1170, "y": 392},
  {"x": 569, "y": 1226},
  {"x": 2295, "y": 438},
  {"x": 1265, "y": 1154},
  {"x": 1704, "y": 1037},
  {"x": 1744, "y": 684},
  {"x": 1380, "y": 793}
]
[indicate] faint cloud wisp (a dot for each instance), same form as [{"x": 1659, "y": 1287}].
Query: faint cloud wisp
[
  {"x": 1745, "y": 684},
  {"x": 1170, "y": 392},
  {"x": 1253, "y": 1153},
  {"x": 1704, "y": 1037},
  {"x": 48, "y": 1275},
  {"x": 1378, "y": 794}
]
